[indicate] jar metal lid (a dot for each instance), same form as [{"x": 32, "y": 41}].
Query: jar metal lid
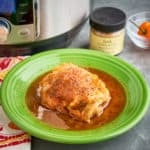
[{"x": 107, "y": 19}]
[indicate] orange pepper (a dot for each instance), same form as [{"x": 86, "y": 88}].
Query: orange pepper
[{"x": 144, "y": 29}]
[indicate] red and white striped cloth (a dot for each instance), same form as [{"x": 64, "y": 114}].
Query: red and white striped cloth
[{"x": 11, "y": 137}]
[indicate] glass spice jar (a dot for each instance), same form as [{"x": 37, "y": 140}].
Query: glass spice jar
[{"x": 107, "y": 30}]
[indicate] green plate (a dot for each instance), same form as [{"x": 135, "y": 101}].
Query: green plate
[{"x": 18, "y": 80}]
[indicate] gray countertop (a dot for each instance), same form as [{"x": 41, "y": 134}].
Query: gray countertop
[{"x": 138, "y": 138}]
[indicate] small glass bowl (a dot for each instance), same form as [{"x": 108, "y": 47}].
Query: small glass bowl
[{"x": 132, "y": 30}]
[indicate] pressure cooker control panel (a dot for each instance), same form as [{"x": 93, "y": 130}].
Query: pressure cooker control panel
[{"x": 17, "y": 21}]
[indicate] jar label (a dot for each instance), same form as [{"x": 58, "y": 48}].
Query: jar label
[{"x": 109, "y": 44}]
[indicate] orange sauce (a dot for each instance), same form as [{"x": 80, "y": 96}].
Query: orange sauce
[{"x": 58, "y": 120}]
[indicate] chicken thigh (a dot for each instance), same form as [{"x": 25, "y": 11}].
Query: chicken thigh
[{"x": 74, "y": 91}]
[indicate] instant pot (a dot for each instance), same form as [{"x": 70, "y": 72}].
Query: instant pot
[{"x": 31, "y": 26}]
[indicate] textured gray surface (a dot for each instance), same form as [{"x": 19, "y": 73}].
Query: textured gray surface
[{"x": 138, "y": 138}]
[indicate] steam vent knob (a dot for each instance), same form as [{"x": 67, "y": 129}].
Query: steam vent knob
[{"x": 4, "y": 30}]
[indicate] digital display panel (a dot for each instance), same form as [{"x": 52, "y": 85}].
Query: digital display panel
[
  {"x": 18, "y": 12},
  {"x": 7, "y": 6}
]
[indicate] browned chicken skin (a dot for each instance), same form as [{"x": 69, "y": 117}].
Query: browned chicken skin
[{"x": 74, "y": 91}]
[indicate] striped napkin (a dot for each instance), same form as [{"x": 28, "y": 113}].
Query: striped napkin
[{"x": 11, "y": 137}]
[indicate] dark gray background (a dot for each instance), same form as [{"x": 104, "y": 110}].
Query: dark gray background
[{"x": 138, "y": 138}]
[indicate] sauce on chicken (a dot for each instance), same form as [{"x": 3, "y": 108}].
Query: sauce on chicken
[{"x": 75, "y": 98}]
